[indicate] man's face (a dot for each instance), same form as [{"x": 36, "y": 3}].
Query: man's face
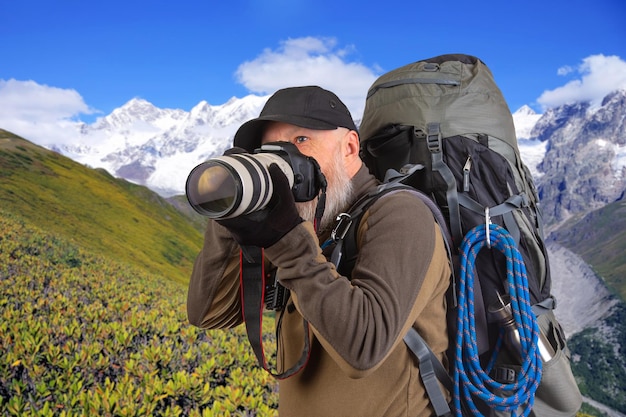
[
  {"x": 325, "y": 146},
  {"x": 319, "y": 144}
]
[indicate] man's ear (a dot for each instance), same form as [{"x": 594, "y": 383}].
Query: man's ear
[
  {"x": 351, "y": 157},
  {"x": 351, "y": 144}
]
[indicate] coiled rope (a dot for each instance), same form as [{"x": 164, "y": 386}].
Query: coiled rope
[{"x": 470, "y": 380}]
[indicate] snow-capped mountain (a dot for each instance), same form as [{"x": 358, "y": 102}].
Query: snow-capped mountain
[
  {"x": 158, "y": 147},
  {"x": 532, "y": 150},
  {"x": 525, "y": 119}
]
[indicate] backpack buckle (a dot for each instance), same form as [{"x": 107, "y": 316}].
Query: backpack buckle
[
  {"x": 433, "y": 138},
  {"x": 504, "y": 375},
  {"x": 344, "y": 220}
]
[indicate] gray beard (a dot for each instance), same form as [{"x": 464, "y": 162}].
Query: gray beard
[{"x": 338, "y": 195}]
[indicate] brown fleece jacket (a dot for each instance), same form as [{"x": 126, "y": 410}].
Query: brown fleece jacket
[{"x": 359, "y": 365}]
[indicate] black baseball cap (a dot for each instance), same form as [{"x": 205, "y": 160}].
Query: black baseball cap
[{"x": 311, "y": 107}]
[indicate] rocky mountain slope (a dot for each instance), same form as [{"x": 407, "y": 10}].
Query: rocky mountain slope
[{"x": 585, "y": 162}]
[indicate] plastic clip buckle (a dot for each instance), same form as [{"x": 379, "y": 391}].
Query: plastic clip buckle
[{"x": 344, "y": 220}]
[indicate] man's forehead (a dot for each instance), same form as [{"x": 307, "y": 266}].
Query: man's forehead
[{"x": 285, "y": 129}]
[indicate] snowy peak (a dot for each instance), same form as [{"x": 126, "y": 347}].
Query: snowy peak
[
  {"x": 524, "y": 120},
  {"x": 525, "y": 110},
  {"x": 138, "y": 105},
  {"x": 201, "y": 114},
  {"x": 138, "y": 112},
  {"x": 585, "y": 163},
  {"x": 238, "y": 110}
]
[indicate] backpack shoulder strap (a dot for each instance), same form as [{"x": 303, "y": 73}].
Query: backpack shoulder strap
[
  {"x": 432, "y": 371},
  {"x": 344, "y": 234}
]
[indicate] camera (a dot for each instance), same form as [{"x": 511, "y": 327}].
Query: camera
[
  {"x": 237, "y": 184},
  {"x": 276, "y": 296}
]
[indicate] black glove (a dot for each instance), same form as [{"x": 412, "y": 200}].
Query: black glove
[{"x": 265, "y": 227}]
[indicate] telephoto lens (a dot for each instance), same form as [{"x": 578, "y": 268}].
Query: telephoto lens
[{"x": 234, "y": 185}]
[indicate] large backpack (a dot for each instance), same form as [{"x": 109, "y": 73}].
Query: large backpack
[{"x": 442, "y": 126}]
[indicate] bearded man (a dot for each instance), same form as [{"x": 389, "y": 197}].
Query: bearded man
[{"x": 342, "y": 335}]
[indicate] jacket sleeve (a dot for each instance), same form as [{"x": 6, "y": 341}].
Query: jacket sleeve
[
  {"x": 359, "y": 321},
  {"x": 213, "y": 299}
]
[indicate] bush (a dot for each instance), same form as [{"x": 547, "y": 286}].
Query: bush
[{"x": 84, "y": 335}]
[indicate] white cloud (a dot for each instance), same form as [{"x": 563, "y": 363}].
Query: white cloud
[
  {"x": 40, "y": 113},
  {"x": 598, "y": 76},
  {"x": 309, "y": 61},
  {"x": 565, "y": 70}
]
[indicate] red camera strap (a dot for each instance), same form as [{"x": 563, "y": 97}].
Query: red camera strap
[{"x": 252, "y": 279}]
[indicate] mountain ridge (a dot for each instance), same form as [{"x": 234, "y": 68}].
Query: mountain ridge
[
  {"x": 159, "y": 147},
  {"x": 585, "y": 159}
]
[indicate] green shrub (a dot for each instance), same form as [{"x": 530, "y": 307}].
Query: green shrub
[{"x": 84, "y": 335}]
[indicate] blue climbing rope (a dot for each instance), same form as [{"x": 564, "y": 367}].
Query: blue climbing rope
[{"x": 470, "y": 380}]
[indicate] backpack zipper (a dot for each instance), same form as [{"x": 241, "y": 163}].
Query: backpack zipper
[{"x": 466, "y": 173}]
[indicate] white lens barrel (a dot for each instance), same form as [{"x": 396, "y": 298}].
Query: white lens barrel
[{"x": 250, "y": 173}]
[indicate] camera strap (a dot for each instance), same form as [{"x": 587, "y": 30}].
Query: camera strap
[{"x": 252, "y": 279}]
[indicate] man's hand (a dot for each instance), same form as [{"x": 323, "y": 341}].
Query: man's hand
[{"x": 265, "y": 227}]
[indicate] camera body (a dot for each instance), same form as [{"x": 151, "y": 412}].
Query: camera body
[
  {"x": 276, "y": 296},
  {"x": 238, "y": 184}
]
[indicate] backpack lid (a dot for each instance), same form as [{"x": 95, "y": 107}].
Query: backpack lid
[{"x": 456, "y": 91}]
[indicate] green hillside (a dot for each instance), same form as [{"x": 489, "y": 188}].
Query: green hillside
[
  {"x": 84, "y": 335},
  {"x": 600, "y": 239},
  {"x": 93, "y": 274},
  {"x": 111, "y": 216}
]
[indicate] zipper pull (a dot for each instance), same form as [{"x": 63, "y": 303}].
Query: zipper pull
[{"x": 466, "y": 173}]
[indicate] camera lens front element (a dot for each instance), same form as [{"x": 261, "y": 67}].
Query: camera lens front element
[{"x": 213, "y": 189}]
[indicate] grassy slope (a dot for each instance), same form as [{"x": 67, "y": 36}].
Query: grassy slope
[
  {"x": 599, "y": 365},
  {"x": 600, "y": 239},
  {"x": 96, "y": 211},
  {"x": 85, "y": 335}
]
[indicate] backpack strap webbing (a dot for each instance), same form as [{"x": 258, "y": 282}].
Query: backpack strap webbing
[
  {"x": 435, "y": 146},
  {"x": 344, "y": 232},
  {"x": 504, "y": 209},
  {"x": 431, "y": 372}
]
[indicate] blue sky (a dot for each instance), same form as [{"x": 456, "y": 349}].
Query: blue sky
[{"x": 69, "y": 59}]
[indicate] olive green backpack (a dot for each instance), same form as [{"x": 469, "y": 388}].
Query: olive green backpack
[{"x": 442, "y": 126}]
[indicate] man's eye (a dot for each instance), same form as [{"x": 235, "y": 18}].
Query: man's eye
[{"x": 301, "y": 139}]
